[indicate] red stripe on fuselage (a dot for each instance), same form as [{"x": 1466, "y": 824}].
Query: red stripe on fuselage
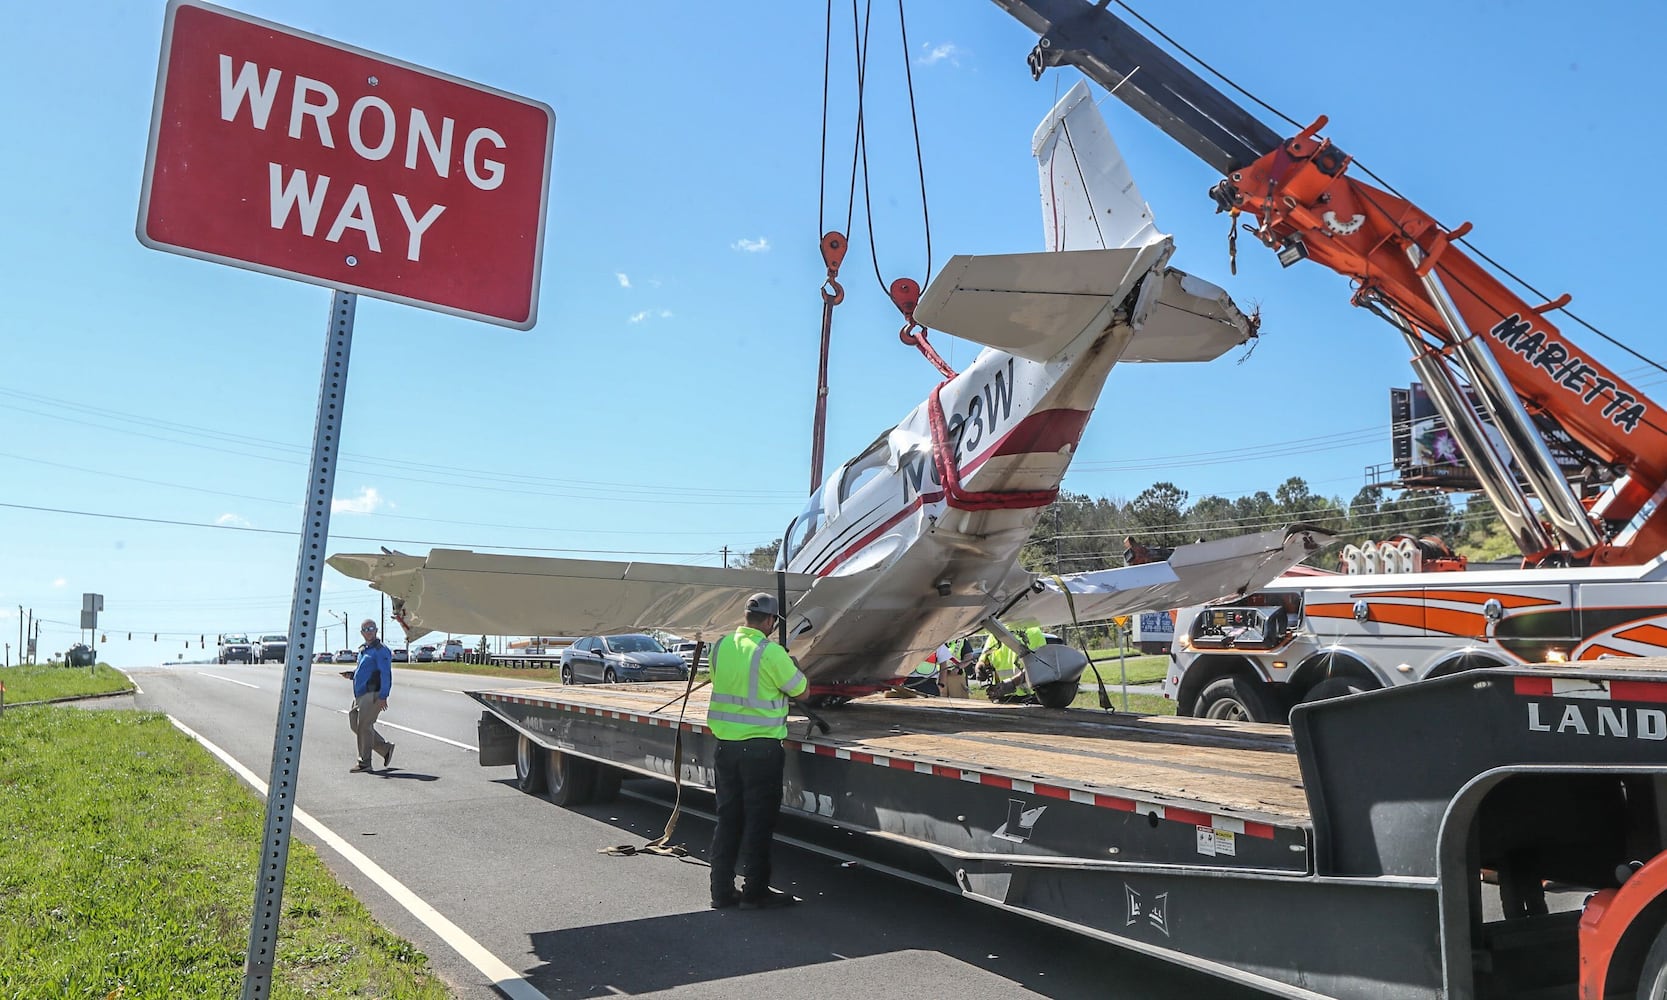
[{"x": 1046, "y": 432}]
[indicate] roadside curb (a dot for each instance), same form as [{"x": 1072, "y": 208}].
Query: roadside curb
[{"x": 73, "y": 697}]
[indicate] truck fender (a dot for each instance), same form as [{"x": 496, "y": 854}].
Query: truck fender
[
  {"x": 1206, "y": 670},
  {"x": 1610, "y": 915},
  {"x": 1335, "y": 661},
  {"x": 1469, "y": 658}
]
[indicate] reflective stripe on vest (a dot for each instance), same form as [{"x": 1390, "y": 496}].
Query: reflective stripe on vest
[{"x": 739, "y": 717}]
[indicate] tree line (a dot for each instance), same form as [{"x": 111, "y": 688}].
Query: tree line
[{"x": 1077, "y": 532}]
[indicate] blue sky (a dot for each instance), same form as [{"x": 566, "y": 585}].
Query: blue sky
[{"x": 661, "y": 407}]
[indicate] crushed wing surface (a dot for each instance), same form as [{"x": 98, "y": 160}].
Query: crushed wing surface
[
  {"x": 1193, "y": 574},
  {"x": 455, "y": 590}
]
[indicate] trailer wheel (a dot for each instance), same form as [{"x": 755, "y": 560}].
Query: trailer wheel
[
  {"x": 569, "y": 780},
  {"x": 1235, "y": 699},
  {"x": 529, "y": 765},
  {"x": 1057, "y": 694}
]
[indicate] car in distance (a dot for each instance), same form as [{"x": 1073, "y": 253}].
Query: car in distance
[
  {"x": 402, "y": 655},
  {"x": 424, "y": 654},
  {"x": 614, "y": 659},
  {"x": 270, "y": 649},
  {"x": 686, "y": 650},
  {"x": 346, "y": 656},
  {"x": 236, "y": 647},
  {"x": 323, "y": 657},
  {"x": 452, "y": 650}
]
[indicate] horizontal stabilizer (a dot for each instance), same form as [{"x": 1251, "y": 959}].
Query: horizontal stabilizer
[
  {"x": 1034, "y": 304},
  {"x": 1181, "y": 317},
  {"x": 454, "y": 590},
  {"x": 1193, "y": 574}
]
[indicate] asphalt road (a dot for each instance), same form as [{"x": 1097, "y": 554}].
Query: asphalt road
[{"x": 525, "y": 880}]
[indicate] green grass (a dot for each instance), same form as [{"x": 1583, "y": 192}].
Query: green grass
[
  {"x": 38, "y": 682},
  {"x": 1139, "y": 704},
  {"x": 127, "y": 871},
  {"x": 1142, "y": 669}
]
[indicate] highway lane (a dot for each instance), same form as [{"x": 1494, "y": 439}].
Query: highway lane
[{"x": 524, "y": 878}]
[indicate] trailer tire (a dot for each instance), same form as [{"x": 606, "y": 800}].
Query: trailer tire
[
  {"x": 529, "y": 765},
  {"x": 606, "y": 785},
  {"x": 1057, "y": 694},
  {"x": 1235, "y": 699},
  {"x": 569, "y": 780}
]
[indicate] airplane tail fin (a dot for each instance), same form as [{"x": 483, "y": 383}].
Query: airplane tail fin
[{"x": 1089, "y": 198}]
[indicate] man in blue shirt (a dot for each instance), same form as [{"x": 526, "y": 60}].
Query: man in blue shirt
[{"x": 372, "y": 681}]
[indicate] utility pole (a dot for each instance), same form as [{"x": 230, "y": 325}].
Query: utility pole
[
  {"x": 384, "y": 631},
  {"x": 20, "y": 633},
  {"x": 725, "y": 551}
]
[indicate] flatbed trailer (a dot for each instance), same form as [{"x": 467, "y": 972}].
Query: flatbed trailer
[{"x": 1414, "y": 842}]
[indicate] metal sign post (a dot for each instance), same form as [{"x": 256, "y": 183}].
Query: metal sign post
[{"x": 303, "y": 622}]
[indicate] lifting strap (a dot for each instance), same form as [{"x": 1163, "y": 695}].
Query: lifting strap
[{"x": 662, "y": 844}]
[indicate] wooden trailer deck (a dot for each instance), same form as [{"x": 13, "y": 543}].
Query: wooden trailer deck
[{"x": 1237, "y": 767}]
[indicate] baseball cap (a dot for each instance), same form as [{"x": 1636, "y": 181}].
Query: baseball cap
[{"x": 763, "y": 604}]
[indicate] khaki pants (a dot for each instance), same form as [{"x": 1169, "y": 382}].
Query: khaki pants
[
  {"x": 361, "y": 718},
  {"x": 953, "y": 682}
]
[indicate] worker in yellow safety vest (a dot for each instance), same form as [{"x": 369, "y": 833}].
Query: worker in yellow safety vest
[
  {"x": 752, "y": 679},
  {"x": 1010, "y": 684}
]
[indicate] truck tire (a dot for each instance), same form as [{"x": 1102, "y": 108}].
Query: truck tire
[
  {"x": 1235, "y": 699},
  {"x": 1337, "y": 687},
  {"x": 1057, "y": 694},
  {"x": 569, "y": 780},
  {"x": 529, "y": 765},
  {"x": 1652, "y": 982}
]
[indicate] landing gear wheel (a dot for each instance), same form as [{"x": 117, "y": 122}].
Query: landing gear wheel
[
  {"x": 569, "y": 780},
  {"x": 1057, "y": 694},
  {"x": 1336, "y": 687},
  {"x": 1652, "y": 982},
  {"x": 1235, "y": 699},
  {"x": 829, "y": 701},
  {"x": 566, "y": 674},
  {"x": 529, "y": 765}
]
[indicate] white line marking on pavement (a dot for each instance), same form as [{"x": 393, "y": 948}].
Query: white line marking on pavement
[
  {"x": 450, "y": 691},
  {"x": 502, "y": 976},
  {"x": 230, "y": 681},
  {"x": 417, "y": 732}
]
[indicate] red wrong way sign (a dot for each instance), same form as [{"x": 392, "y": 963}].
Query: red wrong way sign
[{"x": 280, "y": 151}]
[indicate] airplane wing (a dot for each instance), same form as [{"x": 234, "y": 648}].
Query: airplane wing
[
  {"x": 455, "y": 590},
  {"x": 1193, "y": 574}
]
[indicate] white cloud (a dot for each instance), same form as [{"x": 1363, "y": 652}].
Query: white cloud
[
  {"x": 233, "y": 520},
  {"x": 638, "y": 317},
  {"x": 760, "y": 245},
  {"x": 946, "y": 52},
  {"x": 367, "y": 502},
  {"x": 624, "y": 279},
  {"x": 59, "y": 583}
]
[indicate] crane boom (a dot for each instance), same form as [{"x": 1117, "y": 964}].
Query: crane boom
[{"x": 1407, "y": 267}]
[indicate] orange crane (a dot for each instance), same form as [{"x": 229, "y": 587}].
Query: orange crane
[{"x": 1456, "y": 315}]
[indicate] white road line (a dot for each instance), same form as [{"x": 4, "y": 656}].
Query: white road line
[
  {"x": 230, "y": 681},
  {"x": 418, "y": 732},
  {"x": 450, "y": 691},
  {"x": 489, "y": 965}
]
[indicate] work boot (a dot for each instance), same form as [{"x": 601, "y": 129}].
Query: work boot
[
  {"x": 725, "y": 902},
  {"x": 387, "y": 755},
  {"x": 359, "y": 767}
]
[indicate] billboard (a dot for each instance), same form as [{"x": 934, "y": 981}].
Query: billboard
[{"x": 1427, "y": 456}]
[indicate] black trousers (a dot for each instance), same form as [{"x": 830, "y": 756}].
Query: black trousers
[{"x": 749, "y": 774}]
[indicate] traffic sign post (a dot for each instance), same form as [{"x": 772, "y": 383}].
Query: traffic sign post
[{"x": 283, "y": 152}]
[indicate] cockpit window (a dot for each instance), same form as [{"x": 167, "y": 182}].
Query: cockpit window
[
  {"x": 802, "y": 528},
  {"x": 864, "y": 469}
]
